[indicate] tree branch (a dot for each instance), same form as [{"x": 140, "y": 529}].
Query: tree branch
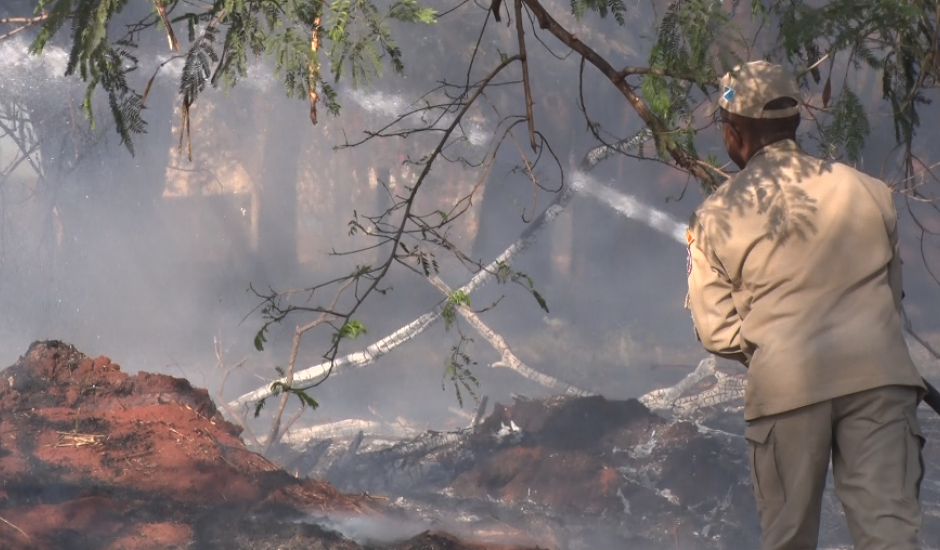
[
  {"x": 527, "y": 88},
  {"x": 24, "y": 22},
  {"x": 547, "y": 22},
  {"x": 630, "y": 70},
  {"x": 313, "y": 69},
  {"x": 507, "y": 357}
]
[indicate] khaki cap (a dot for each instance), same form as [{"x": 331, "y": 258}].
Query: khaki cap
[{"x": 748, "y": 88}]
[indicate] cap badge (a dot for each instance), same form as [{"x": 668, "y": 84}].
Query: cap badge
[{"x": 728, "y": 94}]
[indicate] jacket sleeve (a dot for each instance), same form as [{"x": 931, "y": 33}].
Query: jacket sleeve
[
  {"x": 716, "y": 320},
  {"x": 894, "y": 266}
]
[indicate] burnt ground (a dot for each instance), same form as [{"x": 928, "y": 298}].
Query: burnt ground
[
  {"x": 92, "y": 458},
  {"x": 585, "y": 473},
  {"x": 565, "y": 473}
]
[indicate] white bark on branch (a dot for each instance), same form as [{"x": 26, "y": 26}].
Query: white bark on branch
[
  {"x": 630, "y": 207},
  {"x": 507, "y": 358},
  {"x": 581, "y": 183},
  {"x": 416, "y": 327}
]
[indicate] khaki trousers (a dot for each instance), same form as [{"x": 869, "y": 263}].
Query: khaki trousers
[{"x": 875, "y": 444}]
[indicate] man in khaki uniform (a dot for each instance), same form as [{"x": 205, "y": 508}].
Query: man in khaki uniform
[{"x": 794, "y": 271}]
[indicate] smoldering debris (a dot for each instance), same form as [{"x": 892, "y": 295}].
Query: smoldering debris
[
  {"x": 580, "y": 472},
  {"x": 564, "y": 471}
]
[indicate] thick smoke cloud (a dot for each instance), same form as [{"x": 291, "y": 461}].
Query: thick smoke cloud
[{"x": 149, "y": 258}]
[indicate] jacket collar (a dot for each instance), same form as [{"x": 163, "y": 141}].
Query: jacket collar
[{"x": 784, "y": 147}]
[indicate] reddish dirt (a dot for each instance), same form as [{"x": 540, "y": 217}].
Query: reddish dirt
[{"x": 91, "y": 457}]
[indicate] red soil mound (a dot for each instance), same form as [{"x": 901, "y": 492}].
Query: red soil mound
[{"x": 93, "y": 458}]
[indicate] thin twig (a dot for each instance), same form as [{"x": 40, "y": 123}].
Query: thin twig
[
  {"x": 26, "y": 22},
  {"x": 17, "y": 528},
  {"x": 324, "y": 317},
  {"x": 220, "y": 363}
]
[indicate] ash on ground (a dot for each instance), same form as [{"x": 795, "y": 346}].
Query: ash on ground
[{"x": 580, "y": 473}]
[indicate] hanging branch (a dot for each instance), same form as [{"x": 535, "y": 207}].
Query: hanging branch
[
  {"x": 170, "y": 36},
  {"x": 395, "y": 240},
  {"x": 526, "y": 86},
  {"x": 618, "y": 79},
  {"x": 313, "y": 68}
]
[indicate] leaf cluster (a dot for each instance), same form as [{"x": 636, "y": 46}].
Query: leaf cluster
[
  {"x": 897, "y": 38},
  {"x": 457, "y": 369},
  {"x": 278, "y": 387},
  {"x": 224, "y": 36},
  {"x": 690, "y": 47},
  {"x": 615, "y": 8},
  {"x": 456, "y": 299}
]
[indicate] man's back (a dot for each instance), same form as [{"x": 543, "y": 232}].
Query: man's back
[{"x": 810, "y": 249}]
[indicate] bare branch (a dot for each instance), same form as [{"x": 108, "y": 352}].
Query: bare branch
[
  {"x": 288, "y": 378},
  {"x": 520, "y": 33},
  {"x": 24, "y": 22}
]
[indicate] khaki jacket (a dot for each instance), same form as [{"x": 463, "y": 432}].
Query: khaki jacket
[{"x": 794, "y": 270}]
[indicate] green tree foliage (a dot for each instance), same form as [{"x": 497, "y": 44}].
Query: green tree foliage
[
  {"x": 899, "y": 39},
  {"x": 357, "y": 38},
  {"x": 695, "y": 43}
]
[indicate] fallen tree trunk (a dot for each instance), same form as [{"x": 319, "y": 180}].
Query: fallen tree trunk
[{"x": 345, "y": 429}]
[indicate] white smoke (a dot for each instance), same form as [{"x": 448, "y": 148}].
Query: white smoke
[{"x": 394, "y": 105}]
